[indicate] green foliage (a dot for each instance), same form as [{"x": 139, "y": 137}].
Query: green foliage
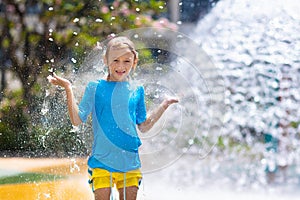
[
  {"x": 52, "y": 133},
  {"x": 295, "y": 124},
  {"x": 220, "y": 143},
  {"x": 29, "y": 178},
  {"x": 56, "y": 142},
  {"x": 13, "y": 122}
]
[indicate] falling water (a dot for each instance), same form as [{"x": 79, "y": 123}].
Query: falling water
[{"x": 255, "y": 45}]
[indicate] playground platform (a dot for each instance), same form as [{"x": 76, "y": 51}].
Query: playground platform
[{"x": 41, "y": 179}]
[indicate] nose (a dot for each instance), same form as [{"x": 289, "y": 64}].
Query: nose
[{"x": 119, "y": 65}]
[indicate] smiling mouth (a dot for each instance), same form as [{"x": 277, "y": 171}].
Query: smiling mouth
[{"x": 120, "y": 72}]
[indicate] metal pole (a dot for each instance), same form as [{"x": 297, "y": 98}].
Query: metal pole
[{"x": 174, "y": 10}]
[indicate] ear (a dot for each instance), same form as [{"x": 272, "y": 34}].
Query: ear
[
  {"x": 105, "y": 60},
  {"x": 135, "y": 62}
]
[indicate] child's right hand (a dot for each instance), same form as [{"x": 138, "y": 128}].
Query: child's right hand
[{"x": 56, "y": 80}]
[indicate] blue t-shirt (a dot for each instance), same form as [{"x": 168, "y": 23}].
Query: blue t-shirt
[{"x": 116, "y": 108}]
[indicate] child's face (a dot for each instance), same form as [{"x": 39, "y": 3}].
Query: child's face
[{"x": 120, "y": 67}]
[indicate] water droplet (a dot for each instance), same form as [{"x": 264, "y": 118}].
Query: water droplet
[
  {"x": 51, "y": 39},
  {"x": 47, "y": 92},
  {"x": 136, "y": 36},
  {"x": 74, "y": 60},
  {"x": 74, "y": 167},
  {"x": 44, "y": 111},
  {"x": 47, "y": 195},
  {"x": 76, "y": 20},
  {"x": 161, "y": 7},
  {"x": 137, "y": 9},
  {"x": 99, "y": 20},
  {"x": 75, "y": 33},
  {"x": 50, "y": 9},
  {"x": 74, "y": 129}
]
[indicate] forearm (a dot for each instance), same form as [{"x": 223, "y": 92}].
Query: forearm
[
  {"x": 72, "y": 107},
  {"x": 153, "y": 117}
]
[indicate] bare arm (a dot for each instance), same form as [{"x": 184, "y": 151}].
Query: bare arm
[
  {"x": 71, "y": 102},
  {"x": 156, "y": 114}
]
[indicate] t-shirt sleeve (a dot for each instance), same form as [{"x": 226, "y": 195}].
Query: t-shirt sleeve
[
  {"x": 86, "y": 104},
  {"x": 141, "y": 113}
]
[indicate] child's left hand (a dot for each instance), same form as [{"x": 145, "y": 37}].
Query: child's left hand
[{"x": 168, "y": 101}]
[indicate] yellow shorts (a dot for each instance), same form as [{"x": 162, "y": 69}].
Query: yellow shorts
[{"x": 101, "y": 178}]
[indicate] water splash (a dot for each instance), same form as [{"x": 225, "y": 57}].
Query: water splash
[
  {"x": 74, "y": 166},
  {"x": 257, "y": 54}
]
